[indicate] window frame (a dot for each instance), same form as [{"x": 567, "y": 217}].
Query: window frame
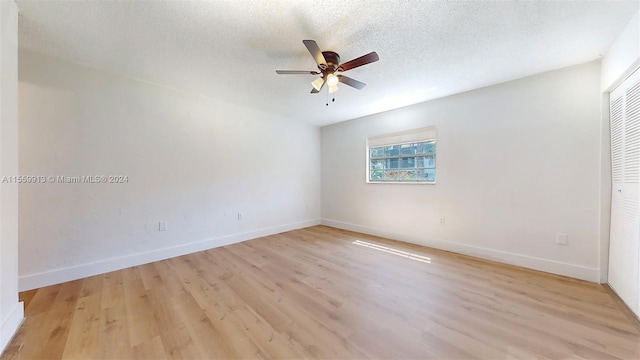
[{"x": 415, "y": 139}]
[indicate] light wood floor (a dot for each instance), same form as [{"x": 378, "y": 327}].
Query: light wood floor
[{"x": 325, "y": 293}]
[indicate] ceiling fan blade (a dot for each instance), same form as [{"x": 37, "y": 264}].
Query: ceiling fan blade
[
  {"x": 351, "y": 82},
  {"x": 295, "y": 72},
  {"x": 314, "y": 50},
  {"x": 362, "y": 60}
]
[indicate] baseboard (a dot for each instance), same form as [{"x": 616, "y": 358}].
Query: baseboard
[
  {"x": 10, "y": 325},
  {"x": 550, "y": 266},
  {"x": 56, "y": 276}
]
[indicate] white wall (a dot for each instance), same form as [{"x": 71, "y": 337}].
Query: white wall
[
  {"x": 622, "y": 57},
  {"x": 11, "y": 311},
  {"x": 517, "y": 163},
  {"x": 193, "y": 162}
]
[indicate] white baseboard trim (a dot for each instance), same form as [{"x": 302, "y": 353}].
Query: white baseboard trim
[
  {"x": 550, "y": 266},
  {"x": 56, "y": 276},
  {"x": 9, "y": 326}
]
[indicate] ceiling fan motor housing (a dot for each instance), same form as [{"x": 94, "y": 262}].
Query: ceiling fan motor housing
[{"x": 333, "y": 61}]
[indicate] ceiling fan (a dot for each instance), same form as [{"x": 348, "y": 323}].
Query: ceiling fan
[{"x": 329, "y": 64}]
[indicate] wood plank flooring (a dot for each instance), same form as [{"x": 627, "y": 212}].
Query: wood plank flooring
[{"x": 325, "y": 293}]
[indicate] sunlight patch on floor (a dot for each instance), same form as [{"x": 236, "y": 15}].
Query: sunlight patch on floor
[{"x": 393, "y": 251}]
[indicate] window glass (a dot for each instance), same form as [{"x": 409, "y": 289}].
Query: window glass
[{"x": 410, "y": 162}]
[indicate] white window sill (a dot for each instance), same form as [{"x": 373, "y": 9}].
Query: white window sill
[{"x": 402, "y": 182}]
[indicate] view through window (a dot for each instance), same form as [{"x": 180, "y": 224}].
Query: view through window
[{"x": 413, "y": 162}]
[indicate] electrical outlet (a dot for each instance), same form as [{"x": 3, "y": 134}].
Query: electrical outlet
[
  {"x": 442, "y": 220},
  {"x": 162, "y": 226},
  {"x": 562, "y": 239},
  {"x": 239, "y": 216}
]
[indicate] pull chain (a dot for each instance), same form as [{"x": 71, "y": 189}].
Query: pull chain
[{"x": 332, "y": 100}]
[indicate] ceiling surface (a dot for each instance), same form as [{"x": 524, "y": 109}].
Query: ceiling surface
[{"x": 230, "y": 49}]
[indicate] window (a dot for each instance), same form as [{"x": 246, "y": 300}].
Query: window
[{"x": 406, "y": 157}]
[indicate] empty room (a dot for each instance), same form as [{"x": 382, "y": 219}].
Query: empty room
[{"x": 319, "y": 179}]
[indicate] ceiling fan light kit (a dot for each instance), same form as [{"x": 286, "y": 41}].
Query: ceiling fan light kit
[
  {"x": 317, "y": 83},
  {"x": 332, "y": 80},
  {"x": 329, "y": 64}
]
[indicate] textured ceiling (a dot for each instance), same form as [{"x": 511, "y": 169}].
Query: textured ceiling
[{"x": 231, "y": 49}]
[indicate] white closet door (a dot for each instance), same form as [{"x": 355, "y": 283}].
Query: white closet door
[{"x": 624, "y": 250}]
